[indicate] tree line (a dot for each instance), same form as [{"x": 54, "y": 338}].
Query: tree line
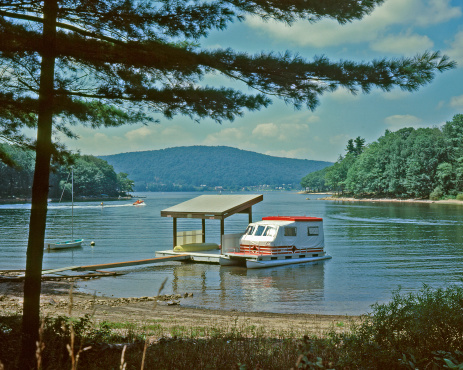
[
  {"x": 408, "y": 163},
  {"x": 92, "y": 176}
]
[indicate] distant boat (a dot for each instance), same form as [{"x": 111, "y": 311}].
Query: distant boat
[
  {"x": 72, "y": 243},
  {"x": 139, "y": 202}
]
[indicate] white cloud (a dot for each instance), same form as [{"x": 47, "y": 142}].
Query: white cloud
[
  {"x": 329, "y": 33},
  {"x": 281, "y": 132},
  {"x": 436, "y": 11},
  {"x": 456, "y": 101},
  {"x": 407, "y": 44},
  {"x": 147, "y": 137},
  {"x": 402, "y": 120},
  {"x": 266, "y": 130},
  {"x": 313, "y": 119},
  {"x": 301, "y": 153},
  {"x": 229, "y": 136},
  {"x": 456, "y": 49}
]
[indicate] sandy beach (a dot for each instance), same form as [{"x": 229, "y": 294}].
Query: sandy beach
[{"x": 167, "y": 311}]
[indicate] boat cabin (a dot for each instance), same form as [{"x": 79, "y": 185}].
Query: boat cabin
[
  {"x": 282, "y": 235},
  {"x": 279, "y": 240}
]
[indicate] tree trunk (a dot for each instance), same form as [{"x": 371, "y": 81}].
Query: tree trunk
[{"x": 32, "y": 283}]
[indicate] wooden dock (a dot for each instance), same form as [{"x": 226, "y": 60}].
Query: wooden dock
[
  {"x": 176, "y": 257},
  {"x": 208, "y": 256}
]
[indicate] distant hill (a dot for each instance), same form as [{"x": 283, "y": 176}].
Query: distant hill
[{"x": 206, "y": 167}]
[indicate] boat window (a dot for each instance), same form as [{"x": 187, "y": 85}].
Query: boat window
[
  {"x": 312, "y": 230},
  {"x": 290, "y": 231},
  {"x": 250, "y": 230},
  {"x": 259, "y": 231},
  {"x": 270, "y": 231}
]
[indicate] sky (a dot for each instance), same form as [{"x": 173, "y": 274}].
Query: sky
[{"x": 395, "y": 29}]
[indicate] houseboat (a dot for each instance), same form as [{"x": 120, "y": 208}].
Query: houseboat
[{"x": 276, "y": 241}]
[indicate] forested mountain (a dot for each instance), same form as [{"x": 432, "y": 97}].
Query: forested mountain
[
  {"x": 92, "y": 176},
  {"x": 408, "y": 163},
  {"x": 206, "y": 167}
]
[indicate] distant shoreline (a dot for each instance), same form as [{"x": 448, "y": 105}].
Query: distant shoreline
[
  {"x": 392, "y": 200},
  {"x": 88, "y": 199}
]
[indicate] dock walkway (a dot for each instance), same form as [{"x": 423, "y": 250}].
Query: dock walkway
[{"x": 208, "y": 256}]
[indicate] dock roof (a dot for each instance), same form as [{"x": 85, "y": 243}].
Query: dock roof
[{"x": 214, "y": 207}]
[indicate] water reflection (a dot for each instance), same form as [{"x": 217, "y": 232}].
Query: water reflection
[{"x": 375, "y": 247}]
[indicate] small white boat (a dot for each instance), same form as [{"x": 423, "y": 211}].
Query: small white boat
[
  {"x": 279, "y": 240},
  {"x": 74, "y": 243}
]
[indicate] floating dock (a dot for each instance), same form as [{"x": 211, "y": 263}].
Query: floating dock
[{"x": 207, "y": 256}]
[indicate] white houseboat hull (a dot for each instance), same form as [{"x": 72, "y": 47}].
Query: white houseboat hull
[{"x": 256, "y": 262}]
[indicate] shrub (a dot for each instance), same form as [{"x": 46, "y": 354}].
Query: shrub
[
  {"x": 416, "y": 330},
  {"x": 436, "y": 194},
  {"x": 460, "y": 196},
  {"x": 415, "y": 324}
]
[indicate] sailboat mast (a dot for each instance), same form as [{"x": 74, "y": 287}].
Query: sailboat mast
[{"x": 72, "y": 202}]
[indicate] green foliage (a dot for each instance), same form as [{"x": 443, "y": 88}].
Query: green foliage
[
  {"x": 315, "y": 181},
  {"x": 92, "y": 176},
  {"x": 408, "y": 163},
  {"x": 100, "y": 346},
  {"x": 187, "y": 168},
  {"x": 422, "y": 330}
]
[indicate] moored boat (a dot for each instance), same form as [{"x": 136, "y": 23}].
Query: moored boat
[
  {"x": 74, "y": 243},
  {"x": 279, "y": 240}
]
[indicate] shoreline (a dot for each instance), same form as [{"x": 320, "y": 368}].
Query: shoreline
[
  {"x": 392, "y": 200},
  {"x": 169, "y": 314}
]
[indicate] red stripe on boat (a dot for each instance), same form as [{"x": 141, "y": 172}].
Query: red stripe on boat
[{"x": 292, "y": 218}]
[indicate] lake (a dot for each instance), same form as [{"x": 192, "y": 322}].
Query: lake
[{"x": 376, "y": 247}]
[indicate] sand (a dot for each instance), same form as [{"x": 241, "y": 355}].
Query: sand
[{"x": 167, "y": 312}]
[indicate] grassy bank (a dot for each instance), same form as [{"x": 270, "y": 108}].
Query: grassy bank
[{"x": 412, "y": 331}]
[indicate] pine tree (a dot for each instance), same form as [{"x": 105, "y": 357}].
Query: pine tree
[{"x": 106, "y": 63}]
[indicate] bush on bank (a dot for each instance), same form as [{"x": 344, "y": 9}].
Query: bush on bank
[{"x": 422, "y": 330}]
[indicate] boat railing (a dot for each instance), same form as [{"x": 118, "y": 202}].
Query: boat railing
[{"x": 231, "y": 243}]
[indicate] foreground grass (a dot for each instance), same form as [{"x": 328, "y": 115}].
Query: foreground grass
[
  {"x": 412, "y": 331},
  {"x": 107, "y": 345}
]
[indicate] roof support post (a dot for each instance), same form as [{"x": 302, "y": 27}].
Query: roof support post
[
  {"x": 175, "y": 232},
  {"x": 250, "y": 214},
  {"x": 203, "y": 229},
  {"x": 222, "y": 229}
]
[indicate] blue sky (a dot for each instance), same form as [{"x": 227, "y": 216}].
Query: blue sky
[{"x": 397, "y": 28}]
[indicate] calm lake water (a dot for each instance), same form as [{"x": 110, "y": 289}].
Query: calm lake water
[{"x": 376, "y": 247}]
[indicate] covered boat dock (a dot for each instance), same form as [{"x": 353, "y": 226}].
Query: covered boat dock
[
  {"x": 206, "y": 207},
  {"x": 212, "y": 207}
]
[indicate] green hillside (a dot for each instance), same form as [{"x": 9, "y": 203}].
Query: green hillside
[{"x": 205, "y": 167}]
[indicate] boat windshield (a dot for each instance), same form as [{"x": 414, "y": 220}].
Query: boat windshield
[
  {"x": 259, "y": 231},
  {"x": 270, "y": 231},
  {"x": 250, "y": 230}
]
